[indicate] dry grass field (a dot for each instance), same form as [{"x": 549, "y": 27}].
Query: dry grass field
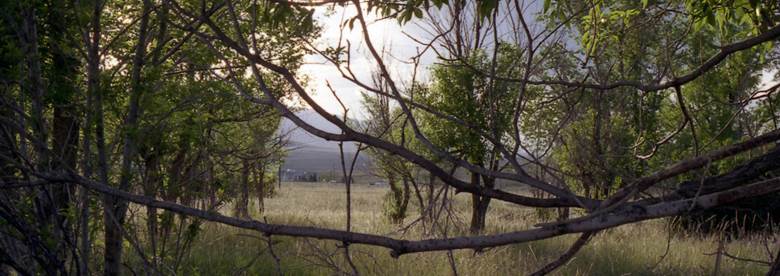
[{"x": 639, "y": 249}]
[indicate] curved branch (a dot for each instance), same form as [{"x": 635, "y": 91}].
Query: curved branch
[
  {"x": 619, "y": 217},
  {"x": 626, "y": 193},
  {"x": 713, "y": 61},
  {"x": 565, "y": 199}
]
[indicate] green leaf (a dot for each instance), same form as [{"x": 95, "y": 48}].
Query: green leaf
[
  {"x": 486, "y": 7},
  {"x": 721, "y": 20},
  {"x": 711, "y": 19},
  {"x": 597, "y": 10}
]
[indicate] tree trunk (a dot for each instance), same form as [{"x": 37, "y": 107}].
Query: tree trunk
[
  {"x": 115, "y": 209},
  {"x": 65, "y": 137},
  {"x": 151, "y": 183},
  {"x": 480, "y": 204},
  {"x": 261, "y": 191},
  {"x": 242, "y": 205},
  {"x": 212, "y": 187},
  {"x": 63, "y": 71},
  {"x": 44, "y": 205},
  {"x": 34, "y": 86},
  {"x": 279, "y": 175},
  {"x": 478, "y": 208},
  {"x": 427, "y": 209},
  {"x": 94, "y": 113},
  {"x": 406, "y": 194},
  {"x": 113, "y": 240},
  {"x": 154, "y": 176}
]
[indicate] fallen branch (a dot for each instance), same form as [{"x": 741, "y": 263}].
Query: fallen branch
[{"x": 620, "y": 216}]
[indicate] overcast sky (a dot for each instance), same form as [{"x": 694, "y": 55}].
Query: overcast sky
[{"x": 385, "y": 34}]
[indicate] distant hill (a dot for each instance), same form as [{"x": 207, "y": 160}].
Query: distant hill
[
  {"x": 319, "y": 160},
  {"x": 311, "y": 153}
]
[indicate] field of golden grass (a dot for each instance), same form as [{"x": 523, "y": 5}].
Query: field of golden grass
[{"x": 638, "y": 249}]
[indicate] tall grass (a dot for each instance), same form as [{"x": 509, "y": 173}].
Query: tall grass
[{"x": 638, "y": 249}]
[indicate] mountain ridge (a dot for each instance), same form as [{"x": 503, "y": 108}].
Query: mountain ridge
[{"x": 307, "y": 152}]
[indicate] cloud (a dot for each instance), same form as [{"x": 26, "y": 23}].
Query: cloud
[{"x": 386, "y": 35}]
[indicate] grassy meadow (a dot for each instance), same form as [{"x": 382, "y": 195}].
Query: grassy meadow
[{"x": 639, "y": 249}]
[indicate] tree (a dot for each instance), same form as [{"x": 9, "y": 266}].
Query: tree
[
  {"x": 390, "y": 124},
  {"x": 130, "y": 91},
  {"x": 593, "y": 106},
  {"x": 484, "y": 102}
]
